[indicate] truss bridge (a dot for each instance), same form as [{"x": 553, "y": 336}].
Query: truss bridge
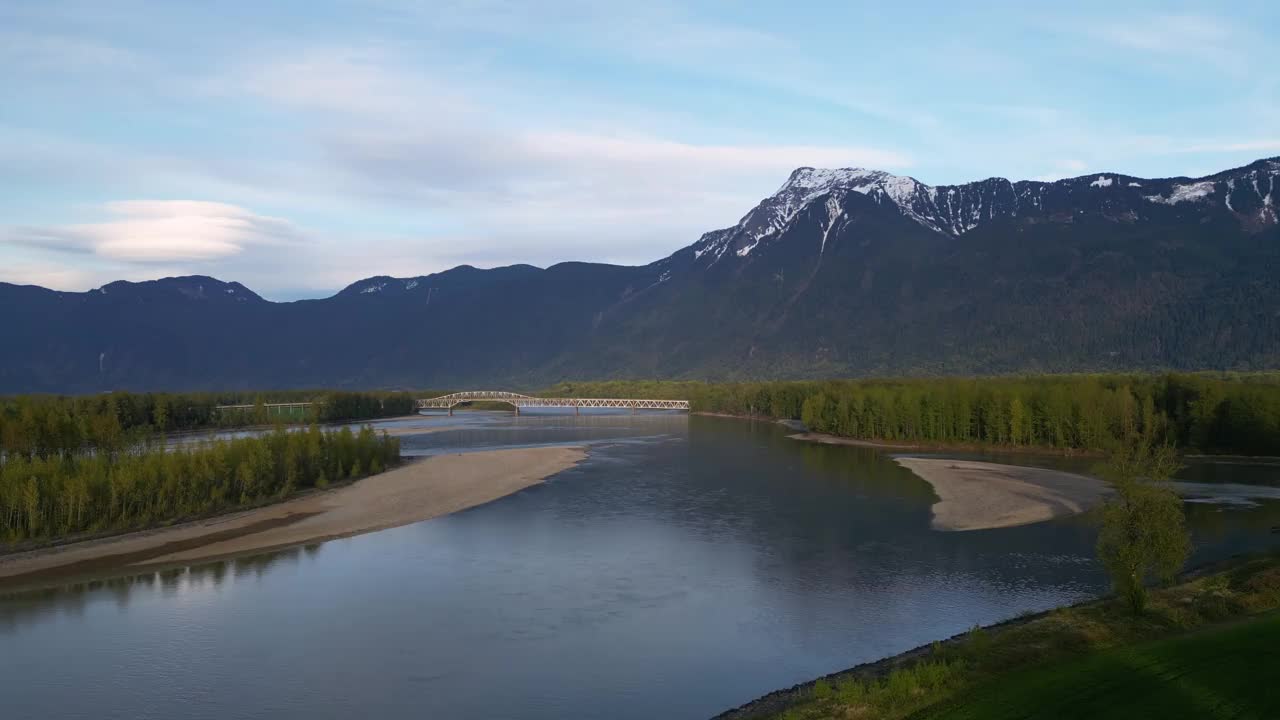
[{"x": 518, "y": 401}]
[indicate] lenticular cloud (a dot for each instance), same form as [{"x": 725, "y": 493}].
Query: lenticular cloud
[{"x": 165, "y": 231}]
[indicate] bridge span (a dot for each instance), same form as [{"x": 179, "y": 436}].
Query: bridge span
[{"x": 518, "y": 401}]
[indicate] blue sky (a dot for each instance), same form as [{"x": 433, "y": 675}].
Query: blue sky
[{"x": 299, "y": 146}]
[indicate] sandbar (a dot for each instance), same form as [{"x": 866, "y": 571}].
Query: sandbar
[
  {"x": 979, "y": 495},
  {"x": 416, "y": 491}
]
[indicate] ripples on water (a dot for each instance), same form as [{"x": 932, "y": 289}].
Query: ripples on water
[{"x": 688, "y": 565}]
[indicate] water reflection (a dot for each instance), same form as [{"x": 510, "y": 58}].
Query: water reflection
[
  {"x": 17, "y": 608},
  {"x": 688, "y": 565}
]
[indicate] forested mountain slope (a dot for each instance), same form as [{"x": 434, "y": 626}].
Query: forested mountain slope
[{"x": 841, "y": 272}]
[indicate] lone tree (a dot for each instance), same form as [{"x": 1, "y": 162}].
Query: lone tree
[{"x": 1144, "y": 535}]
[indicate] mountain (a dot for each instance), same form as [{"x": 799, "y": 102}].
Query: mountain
[{"x": 840, "y": 272}]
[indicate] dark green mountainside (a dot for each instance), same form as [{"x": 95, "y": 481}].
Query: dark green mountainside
[{"x": 841, "y": 272}]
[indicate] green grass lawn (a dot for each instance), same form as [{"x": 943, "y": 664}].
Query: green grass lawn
[
  {"x": 1208, "y": 647},
  {"x": 1230, "y": 671}
]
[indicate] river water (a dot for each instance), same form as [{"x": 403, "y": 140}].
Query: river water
[{"x": 688, "y": 565}]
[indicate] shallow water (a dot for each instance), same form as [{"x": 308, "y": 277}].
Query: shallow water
[{"x": 688, "y": 565}]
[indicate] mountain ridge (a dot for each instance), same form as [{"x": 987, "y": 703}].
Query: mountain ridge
[{"x": 840, "y": 272}]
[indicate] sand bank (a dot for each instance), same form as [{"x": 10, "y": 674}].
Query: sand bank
[
  {"x": 436, "y": 486},
  {"x": 826, "y": 439},
  {"x": 979, "y": 495}
]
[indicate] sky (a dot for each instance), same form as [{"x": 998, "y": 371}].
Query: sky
[{"x": 297, "y": 147}]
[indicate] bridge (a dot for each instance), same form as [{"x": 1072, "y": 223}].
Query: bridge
[
  {"x": 272, "y": 409},
  {"x": 518, "y": 401}
]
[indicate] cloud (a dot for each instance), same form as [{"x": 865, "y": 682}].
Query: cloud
[
  {"x": 501, "y": 131},
  {"x": 508, "y": 184},
  {"x": 38, "y": 52},
  {"x": 48, "y": 275},
  {"x": 344, "y": 80},
  {"x": 530, "y": 163},
  {"x": 1179, "y": 41},
  {"x": 1169, "y": 33},
  {"x": 159, "y": 231},
  {"x": 1251, "y": 146},
  {"x": 414, "y": 137}
]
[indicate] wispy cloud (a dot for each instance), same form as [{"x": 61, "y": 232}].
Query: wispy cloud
[
  {"x": 38, "y": 52},
  {"x": 1175, "y": 41},
  {"x": 501, "y": 131},
  {"x": 161, "y": 231},
  {"x": 1229, "y": 146}
]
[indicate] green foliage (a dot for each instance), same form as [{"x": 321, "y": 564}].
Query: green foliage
[
  {"x": 1227, "y": 672},
  {"x": 49, "y": 425},
  {"x": 1143, "y": 535},
  {"x": 49, "y": 496},
  {"x": 1218, "y": 412},
  {"x": 1089, "y": 653}
]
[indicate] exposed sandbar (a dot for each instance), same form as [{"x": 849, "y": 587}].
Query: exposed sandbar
[
  {"x": 979, "y": 495},
  {"x": 420, "y": 490}
]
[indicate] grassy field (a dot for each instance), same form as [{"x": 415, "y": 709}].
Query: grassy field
[
  {"x": 1205, "y": 648},
  {"x": 1229, "y": 671}
]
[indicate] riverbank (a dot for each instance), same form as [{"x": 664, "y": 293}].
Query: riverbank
[
  {"x": 1028, "y": 659},
  {"x": 829, "y": 439},
  {"x": 980, "y": 495},
  {"x": 417, "y": 491}
]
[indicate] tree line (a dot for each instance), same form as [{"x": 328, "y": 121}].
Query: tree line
[
  {"x": 114, "y": 487},
  {"x": 1202, "y": 412},
  {"x": 48, "y": 425}
]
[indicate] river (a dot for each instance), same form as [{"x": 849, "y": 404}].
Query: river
[{"x": 689, "y": 565}]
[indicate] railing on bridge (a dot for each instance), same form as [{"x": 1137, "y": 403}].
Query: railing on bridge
[
  {"x": 518, "y": 401},
  {"x": 271, "y": 408}
]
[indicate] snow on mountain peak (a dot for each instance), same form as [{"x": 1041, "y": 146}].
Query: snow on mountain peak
[
  {"x": 823, "y": 179},
  {"x": 955, "y": 210},
  {"x": 812, "y": 182},
  {"x": 1185, "y": 193},
  {"x": 806, "y": 184}
]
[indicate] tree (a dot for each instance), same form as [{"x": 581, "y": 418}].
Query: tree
[
  {"x": 1017, "y": 421},
  {"x": 160, "y": 413},
  {"x": 1144, "y": 533}
]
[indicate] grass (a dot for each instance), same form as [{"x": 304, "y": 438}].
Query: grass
[
  {"x": 1205, "y": 648},
  {"x": 1224, "y": 672}
]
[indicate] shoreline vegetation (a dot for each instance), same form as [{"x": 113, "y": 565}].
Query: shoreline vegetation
[
  {"x": 988, "y": 665},
  {"x": 1212, "y": 413},
  {"x": 44, "y": 424},
  {"x": 420, "y": 490},
  {"x": 47, "y": 496},
  {"x": 829, "y": 439}
]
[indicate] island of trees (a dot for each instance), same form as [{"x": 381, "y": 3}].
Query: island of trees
[{"x": 71, "y": 466}]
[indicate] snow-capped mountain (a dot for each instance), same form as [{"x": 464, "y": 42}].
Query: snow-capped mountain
[
  {"x": 1250, "y": 193},
  {"x": 840, "y": 272}
]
